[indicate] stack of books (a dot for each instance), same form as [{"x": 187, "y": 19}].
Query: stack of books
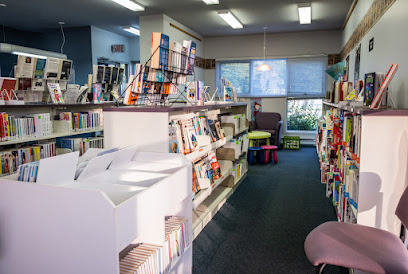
[{"x": 32, "y": 125}]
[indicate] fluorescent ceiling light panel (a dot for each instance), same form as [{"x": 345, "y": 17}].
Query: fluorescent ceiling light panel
[
  {"x": 305, "y": 13},
  {"x": 130, "y": 5},
  {"x": 29, "y": 55},
  {"x": 211, "y": 2},
  {"x": 132, "y": 30},
  {"x": 230, "y": 19}
]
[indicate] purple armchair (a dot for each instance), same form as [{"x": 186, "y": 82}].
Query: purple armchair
[
  {"x": 270, "y": 122},
  {"x": 359, "y": 247}
]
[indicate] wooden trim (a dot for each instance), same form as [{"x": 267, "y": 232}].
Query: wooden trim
[
  {"x": 349, "y": 14},
  {"x": 183, "y": 31}
]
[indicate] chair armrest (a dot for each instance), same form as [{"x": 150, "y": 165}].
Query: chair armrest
[
  {"x": 278, "y": 134},
  {"x": 252, "y": 125}
]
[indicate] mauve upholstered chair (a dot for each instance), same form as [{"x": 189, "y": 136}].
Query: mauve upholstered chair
[
  {"x": 269, "y": 122},
  {"x": 359, "y": 247}
]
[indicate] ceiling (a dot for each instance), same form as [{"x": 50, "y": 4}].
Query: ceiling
[{"x": 276, "y": 15}]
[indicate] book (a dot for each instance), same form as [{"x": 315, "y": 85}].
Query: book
[
  {"x": 39, "y": 68},
  {"x": 38, "y": 84},
  {"x": 173, "y": 143},
  {"x": 52, "y": 67},
  {"x": 24, "y": 83},
  {"x": 369, "y": 90},
  {"x": 121, "y": 76},
  {"x": 25, "y": 67},
  {"x": 98, "y": 74},
  {"x": 191, "y": 53},
  {"x": 228, "y": 96},
  {"x": 159, "y": 51},
  {"x": 107, "y": 75},
  {"x": 55, "y": 93},
  {"x": 7, "y": 87},
  {"x": 65, "y": 69},
  {"x": 378, "y": 97},
  {"x": 115, "y": 74},
  {"x": 97, "y": 93}
]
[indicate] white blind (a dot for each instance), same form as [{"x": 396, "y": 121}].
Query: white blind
[{"x": 306, "y": 76}]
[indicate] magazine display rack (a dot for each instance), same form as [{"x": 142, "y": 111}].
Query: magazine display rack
[{"x": 62, "y": 225}]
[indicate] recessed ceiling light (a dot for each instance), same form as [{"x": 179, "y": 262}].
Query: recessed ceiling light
[
  {"x": 305, "y": 13},
  {"x": 211, "y": 2},
  {"x": 131, "y": 30},
  {"x": 130, "y": 5},
  {"x": 230, "y": 19}
]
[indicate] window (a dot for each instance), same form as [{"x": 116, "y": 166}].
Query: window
[
  {"x": 293, "y": 77},
  {"x": 272, "y": 82},
  {"x": 303, "y": 113},
  {"x": 238, "y": 74}
]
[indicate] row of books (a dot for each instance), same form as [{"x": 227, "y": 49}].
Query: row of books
[
  {"x": 83, "y": 121},
  {"x": 107, "y": 75},
  {"x": 28, "y": 172},
  {"x": 208, "y": 168},
  {"x": 183, "y": 133},
  {"x": 32, "y": 125},
  {"x": 172, "y": 56},
  {"x": 367, "y": 88},
  {"x": 13, "y": 158},
  {"x": 50, "y": 68},
  {"x": 149, "y": 258},
  {"x": 82, "y": 144}
]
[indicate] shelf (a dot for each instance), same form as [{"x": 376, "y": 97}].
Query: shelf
[
  {"x": 47, "y": 105},
  {"x": 198, "y": 154},
  {"x": 242, "y": 131},
  {"x": 203, "y": 214},
  {"x": 53, "y": 135},
  {"x": 204, "y": 193}
]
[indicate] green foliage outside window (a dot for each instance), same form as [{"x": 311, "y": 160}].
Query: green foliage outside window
[{"x": 302, "y": 114}]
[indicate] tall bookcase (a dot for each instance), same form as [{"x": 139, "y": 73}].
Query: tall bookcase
[
  {"x": 121, "y": 199},
  {"x": 148, "y": 128},
  {"x": 381, "y": 160}
]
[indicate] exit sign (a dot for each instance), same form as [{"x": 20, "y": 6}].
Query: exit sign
[{"x": 118, "y": 48}]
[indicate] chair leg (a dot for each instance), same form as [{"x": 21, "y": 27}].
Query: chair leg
[
  {"x": 275, "y": 156},
  {"x": 321, "y": 268}
]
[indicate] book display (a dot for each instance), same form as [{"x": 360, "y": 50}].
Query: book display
[
  {"x": 131, "y": 210},
  {"x": 216, "y": 151},
  {"x": 106, "y": 83},
  {"x": 360, "y": 151},
  {"x": 34, "y": 131},
  {"x": 169, "y": 66}
]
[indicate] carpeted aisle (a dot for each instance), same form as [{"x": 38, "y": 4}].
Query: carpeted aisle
[{"x": 263, "y": 225}]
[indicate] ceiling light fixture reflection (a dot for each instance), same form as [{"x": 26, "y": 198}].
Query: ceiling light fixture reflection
[
  {"x": 264, "y": 66},
  {"x": 131, "y": 30}
]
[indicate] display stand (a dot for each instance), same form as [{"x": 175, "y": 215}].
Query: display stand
[{"x": 59, "y": 225}]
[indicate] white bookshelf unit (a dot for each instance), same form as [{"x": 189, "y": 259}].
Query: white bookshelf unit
[
  {"x": 121, "y": 199},
  {"x": 148, "y": 128},
  {"x": 382, "y": 163}
]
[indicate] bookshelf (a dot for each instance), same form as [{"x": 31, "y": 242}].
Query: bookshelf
[
  {"x": 379, "y": 155},
  {"x": 114, "y": 205},
  {"x": 151, "y": 133},
  {"x": 58, "y": 129}
]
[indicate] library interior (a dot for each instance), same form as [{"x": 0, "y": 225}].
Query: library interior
[{"x": 203, "y": 136}]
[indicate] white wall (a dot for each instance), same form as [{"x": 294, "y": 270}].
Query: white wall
[
  {"x": 161, "y": 23},
  {"x": 277, "y": 45},
  {"x": 390, "y": 44},
  {"x": 359, "y": 11},
  {"x": 102, "y": 41}
]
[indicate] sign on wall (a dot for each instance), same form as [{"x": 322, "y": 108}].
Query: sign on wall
[{"x": 118, "y": 48}]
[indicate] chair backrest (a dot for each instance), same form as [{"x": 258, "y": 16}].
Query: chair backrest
[
  {"x": 402, "y": 208},
  {"x": 267, "y": 120}
]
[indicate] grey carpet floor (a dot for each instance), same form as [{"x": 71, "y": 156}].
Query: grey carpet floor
[{"x": 263, "y": 225}]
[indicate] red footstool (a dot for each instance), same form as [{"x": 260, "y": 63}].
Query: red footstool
[{"x": 267, "y": 153}]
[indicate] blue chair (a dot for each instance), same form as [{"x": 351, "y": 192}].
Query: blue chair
[{"x": 259, "y": 154}]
